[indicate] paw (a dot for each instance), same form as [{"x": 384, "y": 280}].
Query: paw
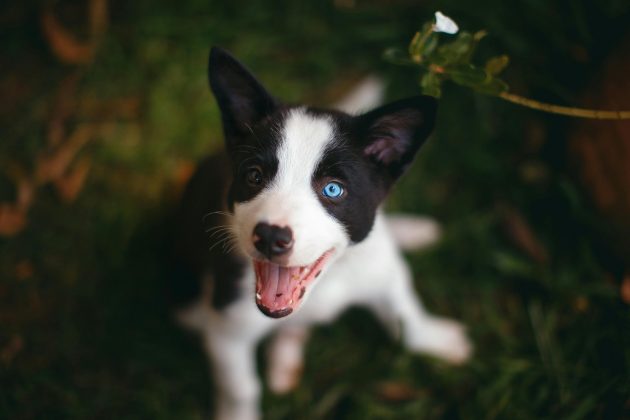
[
  {"x": 236, "y": 411},
  {"x": 286, "y": 360},
  {"x": 284, "y": 379},
  {"x": 440, "y": 337},
  {"x": 412, "y": 232}
]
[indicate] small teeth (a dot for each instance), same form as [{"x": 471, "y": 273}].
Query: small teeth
[
  {"x": 291, "y": 302},
  {"x": 258, "y": 296}
]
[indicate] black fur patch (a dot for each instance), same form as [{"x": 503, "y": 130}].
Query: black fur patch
[
  {"x": 392, "y": 134},
  {"x": 242, "y": 99},
  {"x": 194, "y": 234},
  {"x": 367, "y": 155},
  {"x": 252, "y": 121},
  {"x": 363, "y": 189},
  {"x": 258, "y": 149}
]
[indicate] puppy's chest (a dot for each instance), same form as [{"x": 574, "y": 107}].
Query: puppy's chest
[{"x": 356, "y": 280}]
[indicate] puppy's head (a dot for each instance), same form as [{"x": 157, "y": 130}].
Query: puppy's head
[{"x": 306, "y": 182}]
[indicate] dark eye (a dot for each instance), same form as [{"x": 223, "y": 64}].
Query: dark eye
[
  {"x": 333, "y": 190},
  {"x": 254, "y": 176}
]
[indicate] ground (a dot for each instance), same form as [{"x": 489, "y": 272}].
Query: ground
[{"x": 85, "y": 330}]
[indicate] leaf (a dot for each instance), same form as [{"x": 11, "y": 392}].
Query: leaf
[
  {"x": 413, "y": 45},
  {"x": 477, "y": 79},
  {"x": 455, "y": 52},
  {"x": 479, "y": 35},
  {"x": 492, "y": 86},
  {"x": 496, "y": 65},
  {"x": 65, "y": 45},
  {"x": 522, "y": 235},
  {"x": 422, "y": 44},
  {"x": 62, "y": 108},
  {"x": 397, "y": 392},
  {"x": 13, "y": 216},
  {"x": 70, "y": 185},
  {"x": 397, "y": 56},
  {"x": 12, "y": 219},
  {"x": 51, "y": 166},
  {"x": 468, "y": 75},
  {"x": 430, "y": 45},
  {"x": 512, "y": 265},
  {"x": 431, "y": 84}
]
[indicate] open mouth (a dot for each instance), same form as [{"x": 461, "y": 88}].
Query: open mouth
[{"x": 280, "y": 290}]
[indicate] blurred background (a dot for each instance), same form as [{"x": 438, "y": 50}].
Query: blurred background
[{"x": 105, "y": 110}]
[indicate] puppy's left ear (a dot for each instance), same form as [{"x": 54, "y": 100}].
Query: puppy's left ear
[{"x": 392, "y": 134}]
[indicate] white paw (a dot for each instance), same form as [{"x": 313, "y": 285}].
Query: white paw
[
  {"x": 286, "y": 360},
  {"x": 284, "y": 380},
  {"x": 232, "y": 411},
  {"x": 442, "y": 338},
  {"x": 413, "y": 232}
]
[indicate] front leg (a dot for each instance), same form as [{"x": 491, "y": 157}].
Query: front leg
[
  {"x": 286, "y": 358},
  {"x": 421, "y": 332},
  {"x": 237, "y": 386}
]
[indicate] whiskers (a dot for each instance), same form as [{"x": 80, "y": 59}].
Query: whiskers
[
  {"x": 212, "y": 213},
  {"x": 224, "y": 236}
]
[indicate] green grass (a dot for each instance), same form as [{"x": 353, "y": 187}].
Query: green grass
[{"x": 97, "y": 338}]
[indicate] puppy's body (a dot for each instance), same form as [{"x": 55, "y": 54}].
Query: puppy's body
[{"x": 298, "y": 234}]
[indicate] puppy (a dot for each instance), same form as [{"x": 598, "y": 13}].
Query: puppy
[{"x": 294, "y": 233}]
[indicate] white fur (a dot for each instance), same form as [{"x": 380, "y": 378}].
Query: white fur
[
  {"x": 371, "y": 273},
  {"x": 382, "y": 284},
  {"x": 286, "y": 359},
  {"x": 413, "y": 232},
  {"x": 290, "y": 200}
]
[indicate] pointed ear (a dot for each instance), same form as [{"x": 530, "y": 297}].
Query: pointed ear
[
  {"x": 243, "y": 101},
  {"x": 392, "y": 134}
]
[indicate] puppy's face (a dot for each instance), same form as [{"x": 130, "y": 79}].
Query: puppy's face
[{"x": 306, "y": 182}]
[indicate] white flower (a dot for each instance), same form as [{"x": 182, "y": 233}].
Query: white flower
[{"x": 444, "y": 24}]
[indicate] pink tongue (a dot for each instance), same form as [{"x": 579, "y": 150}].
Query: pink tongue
[{"x": 274, "y": 285}]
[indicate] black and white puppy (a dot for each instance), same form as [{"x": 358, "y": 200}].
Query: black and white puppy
[{"x": 293, "y": 210}]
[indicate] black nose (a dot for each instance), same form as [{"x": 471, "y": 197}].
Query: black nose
[{"x": 272, "y": 240}]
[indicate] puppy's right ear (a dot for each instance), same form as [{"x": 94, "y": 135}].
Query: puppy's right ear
[{"x": 242, "y": 99}]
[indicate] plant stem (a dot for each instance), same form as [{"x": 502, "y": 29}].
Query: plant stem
[
  {"x": 419, "y": 39},
  {"x": 565, "y": 110}
]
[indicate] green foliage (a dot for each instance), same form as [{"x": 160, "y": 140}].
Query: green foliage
[
  {"x": 452, "y": 60},
  {"x": 98, "y": 340},
  {"x": 431, "y": 84},
  {"x": 496, "y": 65}
]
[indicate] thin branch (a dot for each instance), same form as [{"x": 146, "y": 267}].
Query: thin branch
[{"x": 565, "y": 110}]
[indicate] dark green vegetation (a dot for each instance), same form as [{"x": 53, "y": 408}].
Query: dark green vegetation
[{"x": 84, "y": 327}]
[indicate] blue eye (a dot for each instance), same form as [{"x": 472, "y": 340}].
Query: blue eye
[{"x": 333, "y": 190}]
